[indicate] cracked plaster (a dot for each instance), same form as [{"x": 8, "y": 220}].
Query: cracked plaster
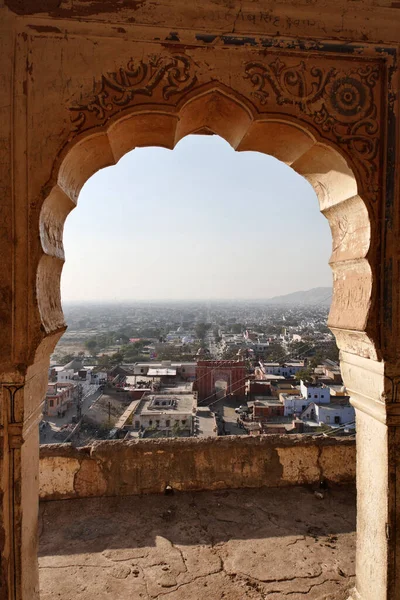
[{"x": 244, "y": 544}]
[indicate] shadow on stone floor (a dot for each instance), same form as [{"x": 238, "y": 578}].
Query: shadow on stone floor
[{"x": 248, "y": 543}]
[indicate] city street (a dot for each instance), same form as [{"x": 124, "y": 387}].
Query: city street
[
  {"x": 50, "y": 434},
  {"x": 226, "y": 409},
  {"x": 214, "y": 349},
  {"x": 206, "y": 423}
]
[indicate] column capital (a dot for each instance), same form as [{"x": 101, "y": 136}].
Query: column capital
[{"x": 374, "y": 387}]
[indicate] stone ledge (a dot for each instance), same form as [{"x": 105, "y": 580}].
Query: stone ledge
[{"x": 119, "y": 468}]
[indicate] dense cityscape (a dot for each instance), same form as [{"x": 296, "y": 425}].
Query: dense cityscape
[{"x": 181, "y": 369}]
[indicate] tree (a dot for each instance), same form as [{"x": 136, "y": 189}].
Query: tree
[
  {"x": 67, "y": 358},
  {"x": 216, "y": 335},
  {"x": 304, "y": 374},
  {"x": 275, "y": 352},
  {"x": 301, "y": 349},
  {"x": 230, "y": 353},
  {"x": 201, "y": 330},
  {"x": 104, "y": 361},
  {"x": 91, "y": 345},
  {"x": 117, "y": 358},
  {"x": 237, "y": 328}
]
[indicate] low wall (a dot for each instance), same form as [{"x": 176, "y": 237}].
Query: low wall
[{"x": 119, "y": 468}]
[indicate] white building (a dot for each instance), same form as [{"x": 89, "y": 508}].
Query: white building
[
  {"x": 169, "y": 415},
  {"x": 185, "y": 370},
  {"x": 285, "y": 369},
  {"x": 293, "y": 404},
  {"x": 261, "y": 345},
  {"x": 65, "y": 375},
  {"x": 315, "y": 392},
  {"x": 333, "y": 414}
]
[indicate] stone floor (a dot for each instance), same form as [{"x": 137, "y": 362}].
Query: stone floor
[{"x": 234, "y": 545}]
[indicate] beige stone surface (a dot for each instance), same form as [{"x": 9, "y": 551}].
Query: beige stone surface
[
  {"x": 244, "y": 544},
  {"x": 312, "y": 82},
  {"x": 119, "y": 468},
  {"x": 57, "y": 476}
]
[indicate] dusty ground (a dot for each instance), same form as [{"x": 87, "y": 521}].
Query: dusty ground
[
  {"x": 234, "y": 545},
  {"x": 101, "y": 417},
  {"x": 69, "y": 347}
]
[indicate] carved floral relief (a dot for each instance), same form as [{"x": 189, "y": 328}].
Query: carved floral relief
[
  {"x": 173, "y": 74},
  {"x": 340, "y": 102},
  {"x": 340, "y": 99}
]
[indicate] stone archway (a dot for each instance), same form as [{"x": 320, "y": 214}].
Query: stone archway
[
  {"x": 336, "y": 178},
  {"x": 324, "y": 107},
  {"x": 216, "y": 109},
  {"x": 208, "y": 372}
]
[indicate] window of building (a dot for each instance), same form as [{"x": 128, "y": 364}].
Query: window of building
[
  {"x": 51, "y": 402},
  {"x": 167, "y": 423},
  {"x": 315, "y": 395},
  {"x": 322, "y": 395},
  {"x": 183, "y": 421},
  {"x": 157, "y": 422},
  {"x": 337, "y": 420},
  {"x": 328, "y": 419},
  {"x": 150, "y": 422},
  {"x": 309, "y": 395},
  {"x": 137, "y": 424}
]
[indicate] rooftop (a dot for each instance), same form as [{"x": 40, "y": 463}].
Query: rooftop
[
  {"x": 291, "y": 396},
  {"x": 247, "y": 544},
  {"x": 166, "y": 363},
  {"x": 332, "y": 407},
  {"x": 158, "y": 404},
  {"x": 310, "y": 384},
  {"x": 266, "y": 401},
  {"x": 177, "y": 388},
  {"x": 292, "y": 363},
  {"x": 154, "y": 372}
]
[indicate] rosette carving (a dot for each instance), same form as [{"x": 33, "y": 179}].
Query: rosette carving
[
  {"x": 341, "y": 103},
  {"x": 170, "y": 75}
]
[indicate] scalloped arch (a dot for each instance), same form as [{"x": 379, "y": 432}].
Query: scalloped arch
[{"x": 219, "y": 110}]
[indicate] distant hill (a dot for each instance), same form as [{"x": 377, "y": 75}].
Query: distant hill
[{"x": 320, "y": 295}]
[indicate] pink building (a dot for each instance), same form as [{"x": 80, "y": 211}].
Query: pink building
[{"x": 59, "y": 398}]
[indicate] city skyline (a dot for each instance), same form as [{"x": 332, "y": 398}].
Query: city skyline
[{"x": 200, "y": 223}]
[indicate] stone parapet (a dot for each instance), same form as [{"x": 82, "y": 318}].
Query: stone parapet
[{"x": 119, "y": 468}]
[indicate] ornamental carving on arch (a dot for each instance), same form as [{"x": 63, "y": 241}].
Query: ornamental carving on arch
[
  {"x": 167, "y": 75},
  {"x": 339, "y": 96},
  {"x": 341, "y": 102}
]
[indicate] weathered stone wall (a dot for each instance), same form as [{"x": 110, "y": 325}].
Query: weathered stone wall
[
  {"x": 314, "y": 84},
  {"x": 118, "y": 468}
]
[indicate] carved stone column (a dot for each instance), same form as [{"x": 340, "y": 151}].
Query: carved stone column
[
  {"x": 378, "y": 446},
  {"x": 20, "y": 417}
]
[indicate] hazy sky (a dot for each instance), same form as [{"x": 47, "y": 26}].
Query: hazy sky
[{"x": 202, "y": 221}]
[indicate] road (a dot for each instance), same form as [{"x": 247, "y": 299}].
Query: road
[
  {"x": 50, "y": 434},
  {"x": 226, "y": 409},
  {"x": 205, "y": 423},
  {"x": 214, "y": 349}
]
